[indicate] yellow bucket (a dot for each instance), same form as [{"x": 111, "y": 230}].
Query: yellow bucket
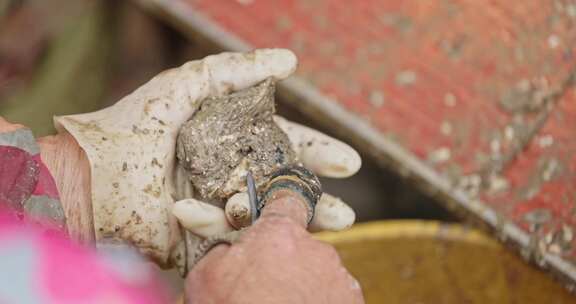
[{"x": 420, "y": 262}]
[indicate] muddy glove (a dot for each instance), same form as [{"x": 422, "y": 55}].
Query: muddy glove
[
  {"x": 324, "y": 155},
  {"x": 131, "y": 148}
]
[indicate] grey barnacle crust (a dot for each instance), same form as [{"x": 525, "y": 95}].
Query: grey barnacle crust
[{"x": 229, "y": 135}]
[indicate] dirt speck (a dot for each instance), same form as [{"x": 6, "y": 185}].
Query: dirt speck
[
  {"x": 440, "y": 155},
  {"x": 406, "y": 77},
  {"x": 376, "y": 98},
  {"x": 449, "y": 100},
  {"x": 337, "y": 168},
  {"x": 538, "y": 216},
  {"x": 152, "y": 191},
  {"x": 155, "y": 162}
]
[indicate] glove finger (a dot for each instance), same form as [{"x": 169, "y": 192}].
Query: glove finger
[
  {"x": 216, "y": 75},
  {"x": 236, "y": 71},
  {"x": 237, "y": 210},
  {"x": 324, "y": 155},
  {"x": 201, "y": 218},
  {"x": 223, "y": 73},
  {"x": 170, "y": 98},
  {"x": 212, "y": 76},
  {"x": 331, "y": 213}
]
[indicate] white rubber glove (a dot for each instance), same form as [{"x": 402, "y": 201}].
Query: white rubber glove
[
  {"x": 322, "y": 154},
  {"x": 131, "y": 147}
]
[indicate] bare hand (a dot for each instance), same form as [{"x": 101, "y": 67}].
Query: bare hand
[{"x": 275, "y": 261}]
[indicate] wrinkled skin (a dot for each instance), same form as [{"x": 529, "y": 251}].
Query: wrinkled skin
[{"x": 274, "y": 261}]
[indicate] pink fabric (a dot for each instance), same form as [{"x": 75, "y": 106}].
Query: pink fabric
[
  {"x": 24, "y": 176},
  {"x": 45, "y": 266},
  {"x": 46, "y": 185},
  {"x": 68, "y": 273},
  {"x": 18, "y": 176}
]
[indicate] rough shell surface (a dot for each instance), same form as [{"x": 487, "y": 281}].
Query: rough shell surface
[{"x": 229, "y": 135}]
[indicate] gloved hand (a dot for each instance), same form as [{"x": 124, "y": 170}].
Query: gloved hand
[
  {"x": 131, "y": 150},
  {"x": 324, "y": 155}
]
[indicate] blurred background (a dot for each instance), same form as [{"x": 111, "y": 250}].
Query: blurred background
[
  {"x": 464, "y": 113},
  {"x": 89, "y": 54}
]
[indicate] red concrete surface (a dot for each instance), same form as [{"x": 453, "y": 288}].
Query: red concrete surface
[{"x": 456, "y": 83}]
